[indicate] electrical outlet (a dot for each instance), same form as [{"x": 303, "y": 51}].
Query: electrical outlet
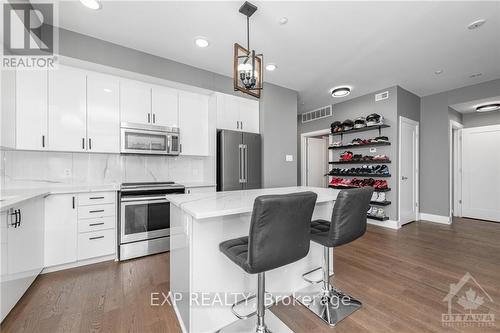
[
  {"x": 67, "y": 173},
  {"x": 373, "y": 150},
  {"x": 289, "y": 158}
]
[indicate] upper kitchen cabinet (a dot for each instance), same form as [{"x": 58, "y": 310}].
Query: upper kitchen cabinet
[
  {"x": 135, "y": 102},
  {"x": 103, "y": 113},
  {"x": 67, "y": 114},
  {"x": 237, "y": 113},
  {"x": 164, "y": 106},
  {"x": 31, "y": 109},
  {"x": 193, "y": 123}
]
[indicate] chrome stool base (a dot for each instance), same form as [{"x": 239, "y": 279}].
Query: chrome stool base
[
  {"x": 273, "y": 325},
  {"x": 332, "y": 306}
]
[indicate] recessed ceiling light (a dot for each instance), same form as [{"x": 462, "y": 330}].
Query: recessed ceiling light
[
  {"x": 439, "y": 71},
  {"x": 475, "y": 75},
  {"x": 283, "y": 20},
  {"x": 341, "y": 92},
  {"x": 201, "y": 42},
  {"x": 271, "y": 67},
  {"x": 488, "y": 107},
  {"x": 92, "y": 4},
  {"x": 476, "y": 24}
]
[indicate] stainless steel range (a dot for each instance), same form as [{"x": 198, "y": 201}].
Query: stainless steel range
[{"x": 145, "y": 218}]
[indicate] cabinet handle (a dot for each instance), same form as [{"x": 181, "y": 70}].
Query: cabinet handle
[
  {"x": 241, "y": 124},
  {"x": 43, "y": 141},
  {"x": 83, "y": 143},
  {"x": 20, "y": 218},
  {"x": 13, "y": 214},
  {"x": 237, "y": 124},
  {"x": 90, "y": 144},
  {"x": 149, "y": 118},
  {"x": 94, "y": 224},
  {"x": 180, "y": 148},
  {"x": 73, "y": 202},
  {"x": 92, "y": 238},
  {"x": 95, "y": 198},
  {"x": 96, "y": 211},
  {"x": 154, "y": 118}
]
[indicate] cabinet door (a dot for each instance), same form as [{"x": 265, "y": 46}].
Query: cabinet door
[
  {"x": 67, "y": 109},
  {"x": 249, "y": 115},
  {"x": 164, "y": 106},
  {"x": 193, "y": 121},
  {"x": 135, "y": 102},
  {"x": 227, "y": 112},
  {"x": 60, "y": 229},
  {"x": 31, "y": 109},
  {"x": 103, "y": 114}
]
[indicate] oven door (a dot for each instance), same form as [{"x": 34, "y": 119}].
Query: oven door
[
  {"x": 138, "y": 141},
  {"x": 144, "y": 217}
]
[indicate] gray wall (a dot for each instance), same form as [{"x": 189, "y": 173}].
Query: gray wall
[
  {"x": 481, "y": 119},
  {"x": 408, "y": 104},
  {"x": 363, "y": 106},
  {"x": 278, "y": 106},
  {"x": 434, "y": 143},
  {"x": 455, "y": 116}
]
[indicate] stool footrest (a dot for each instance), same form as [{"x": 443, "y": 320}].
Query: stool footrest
[
  {"x": 251, "y": 314},
  {"x": 305, "y": 278}
]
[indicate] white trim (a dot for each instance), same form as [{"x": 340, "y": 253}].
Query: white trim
[
  {"x": 435, "y": 218},
  {"x": 303, "y": 152},
  {"x": 454, "y": 125},
  {"x": 385, "y": 224},
  {"x": 178, "y": 314},
  {"x": 417, "y": 171},
  {"x": 78, "y": 264}
]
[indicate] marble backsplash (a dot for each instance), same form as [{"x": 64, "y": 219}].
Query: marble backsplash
[{"x": 28, "y": 167}]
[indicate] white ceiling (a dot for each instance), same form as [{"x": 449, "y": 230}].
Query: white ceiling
[
  {"x": 368, "y": 45},
  {"x": 470, "y": 107}
]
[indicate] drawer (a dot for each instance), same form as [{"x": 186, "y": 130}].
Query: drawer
[
  {"x": 90, "y": 212},
  {"x": 96, "y": 198},
  {"x": 101, "y": 223},
  {"x": 96, "y": 244}
]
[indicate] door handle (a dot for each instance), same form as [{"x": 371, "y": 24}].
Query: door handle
[{"x": 404, "y": 178}]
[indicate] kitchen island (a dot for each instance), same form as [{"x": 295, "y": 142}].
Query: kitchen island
[{"x": 203, "y": 281}]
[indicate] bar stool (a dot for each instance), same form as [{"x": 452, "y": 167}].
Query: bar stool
[
  {"x": 279, "y": 235},
  {"x": 347, "y": 224}
]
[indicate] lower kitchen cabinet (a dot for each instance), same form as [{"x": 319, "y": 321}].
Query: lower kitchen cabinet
[{"x": 96, "y": 244}]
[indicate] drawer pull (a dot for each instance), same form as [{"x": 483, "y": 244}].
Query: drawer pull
[
  {"x": 95, "y": 198},
  {"x": 94, "y": 224},
  {"x": 96, "y": 211},
  {"x": 98, "y": 237}
]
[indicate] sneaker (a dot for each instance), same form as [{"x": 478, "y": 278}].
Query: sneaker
[
  {"x": 346, "y": 156},
  {"x": 381, "y": 139},
  {"x": 337, "y": 144},
  {"x": 380, "y": 196},
  {"x": 374, "y": 196},
  {"x": 379, "y": 212}
]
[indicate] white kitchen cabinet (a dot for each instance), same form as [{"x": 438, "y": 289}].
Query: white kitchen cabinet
[
  {"x": 193, "y": 123},
  {"x": 23, "y": 249},
  {"x": 67, "y": 114},
  {"x": 31, "y": 109},
  {"x": 60, "y": 229},
  {"x": 135, "y": 102},
  {"x": 96, "y": 244},
  {"x": 164, "y": 107},
  {"x": 237, "y": 113},
  {"x": 103, "y": 113}
]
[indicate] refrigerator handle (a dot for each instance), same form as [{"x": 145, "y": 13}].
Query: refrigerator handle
[
  {"x": 240, "y": 163},
  {"x": 245, "y": 149}
]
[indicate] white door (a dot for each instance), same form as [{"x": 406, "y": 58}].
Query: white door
[
  {"x": 481, "y": 173},
  {"x": 249, "y": 115},
  {"x": 67, "y": 109},
  {"x": 316, "y": 162},
  {"x": 60, "y": 229},
  {"x": 31, "y": 109},
  {"x": 103, "y": 114},
  {"x": 408, "y": 171},
  {"x": 164, "y": 106},
  {"x": 193, "y": 123},
  {"x": 135, "y": 102},
  {"x": 228, "y": 112}
]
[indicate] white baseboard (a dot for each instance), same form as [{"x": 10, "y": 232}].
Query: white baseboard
[
  {"x": 386, "y": 224},
  {"x": 435, "y": 218},
  {"x": 78, "y": 264}
]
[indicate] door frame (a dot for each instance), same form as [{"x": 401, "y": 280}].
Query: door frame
[
  {"x": 303, "y": 152},
  {"x": 455, "y": 168},
  {"x": 417, "y": 163}
]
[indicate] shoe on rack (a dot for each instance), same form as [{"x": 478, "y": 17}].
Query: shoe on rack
[
  {"x": 337, "y": 144},
  {"x": 380, "y": 197},
  {"x": 380, "y": 157},
  {"x": 379, "y": 212},
  {"x": 374, "y": 196},
  {"x": 381, "y": 139},
  {"x": 346, "y": 156},
  {"x": 383, "y": 170}
]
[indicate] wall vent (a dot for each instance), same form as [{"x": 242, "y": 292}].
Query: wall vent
[
  {"x": 323, "y": 112},
  {"x": 381, "y": 96}
]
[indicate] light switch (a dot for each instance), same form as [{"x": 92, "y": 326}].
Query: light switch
[{"x": 289, "y": 158}]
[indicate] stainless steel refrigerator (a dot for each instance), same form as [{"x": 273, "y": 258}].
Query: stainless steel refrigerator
[{"x": 238, "y": 160}]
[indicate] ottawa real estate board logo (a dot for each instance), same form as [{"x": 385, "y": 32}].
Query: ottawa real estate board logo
[{"x": 28, "y": 36}]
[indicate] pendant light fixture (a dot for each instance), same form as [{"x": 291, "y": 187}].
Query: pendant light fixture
[{"x": 247, "y": 63}]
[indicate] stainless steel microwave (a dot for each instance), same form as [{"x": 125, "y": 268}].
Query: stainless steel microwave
[{"x": 149, "y": 139}]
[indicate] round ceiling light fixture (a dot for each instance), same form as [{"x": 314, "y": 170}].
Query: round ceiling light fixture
[
  {"x": 271, "y": 67},
  {"x": 438, "y": 72},
  {"x": 283, "y": 20},
  {"x": 488, "y": 107},
  {"x": 476, "y": 24},
  {"x": 201, "y": 42},
  {"x": 92, "y": 4},
  {"x": 341, "y": 92}
]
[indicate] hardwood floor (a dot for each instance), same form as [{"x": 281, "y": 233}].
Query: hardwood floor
[{"x": 400, "y": 276}]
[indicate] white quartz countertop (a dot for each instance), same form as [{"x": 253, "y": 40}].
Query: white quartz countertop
[
  {"x": 10, "y": 197},
  {"x": 213, "y": 204}
]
